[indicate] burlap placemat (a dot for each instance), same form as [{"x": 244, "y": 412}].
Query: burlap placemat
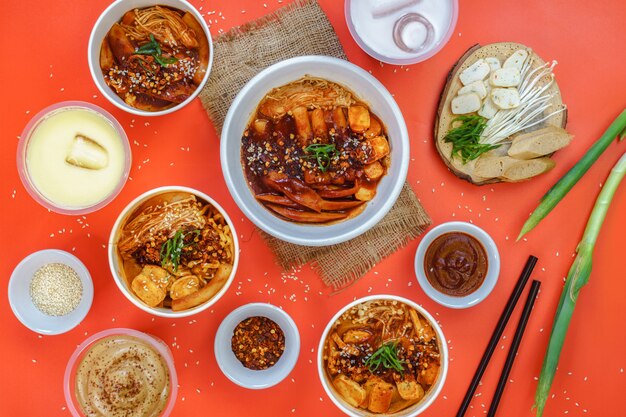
[{"x": 302, "y": 28}]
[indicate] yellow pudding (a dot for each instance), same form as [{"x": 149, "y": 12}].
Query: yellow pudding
[{"x": 75, "y": 157}]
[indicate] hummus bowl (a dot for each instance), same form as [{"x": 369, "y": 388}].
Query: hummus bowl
[{"x": 141, "y": 364}]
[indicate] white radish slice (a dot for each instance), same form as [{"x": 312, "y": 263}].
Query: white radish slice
[
  {"x": 477, "y": 87},
  {"x": 488, "y": 109},
  {"x": 467, "y": 103},
  {"x": 478, "y": 71},
  {"x": 516, "y": 60},
  {"x": 505, "y": 77},
  {"x": 505, "y": 98},
  {"x": 493, "y": 62}
]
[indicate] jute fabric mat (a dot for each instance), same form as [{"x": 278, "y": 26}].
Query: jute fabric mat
[{"x": 302, "y": 28}]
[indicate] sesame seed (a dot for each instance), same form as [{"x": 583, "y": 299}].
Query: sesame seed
[{"x": 56, "y": 289}]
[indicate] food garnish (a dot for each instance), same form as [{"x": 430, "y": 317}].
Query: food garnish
[
  {"x": 386, "y": 357},
  {"x": 322, "y": 153},
  {"x": 577, "y": 277},
  {"x": 173, "y": 248},
  {"x": 153, "y": 49},
  {"x": 562, "y": 187},
  {"x": 258, "y": 343},
  {"x": 465, "y": 137},
  {"x": 56, "y": 289}
]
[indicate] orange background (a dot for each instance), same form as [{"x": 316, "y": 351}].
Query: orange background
[{"x": 44, "y": 61}]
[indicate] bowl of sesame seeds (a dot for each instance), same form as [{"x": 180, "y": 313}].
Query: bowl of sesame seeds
[
  {"x": 150, "y": 59},
  {"x": 50, "y": 291}
]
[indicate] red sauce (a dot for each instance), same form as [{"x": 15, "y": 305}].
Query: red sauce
[{"x": 456, "y": 264}]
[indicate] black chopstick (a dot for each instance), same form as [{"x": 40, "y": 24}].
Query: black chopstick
[
  {"x": 497, "y": 332},
  {"x": 519, "y": 332}
]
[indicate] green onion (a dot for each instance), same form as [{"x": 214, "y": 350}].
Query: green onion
[
  {"x": 385, "y": 356},
  {"x": 577, "y": 277},
  {"x": 153, "y": 49},
  {"x": 562, "y": 187},
  {"x": 465, "y": 137},
  {"x": 322, "y": 154},
  {"x": 172, "y": 249}
]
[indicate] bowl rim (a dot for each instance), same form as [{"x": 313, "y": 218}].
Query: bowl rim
[
  {"x": 96, "y": 71},
  {"x": 293, "y": 236},
  {"x": 86, "y": 300},
  {"x": 22, "y": 149},
  {"x": 225, "y": 331},
  {"x": 112, "y": 245},
  {"x": 493, "y": 269},
  {"x": 443, "y": 350},
  {"x": 402, "y": 61},
  {"x": 159, "y": 345}
]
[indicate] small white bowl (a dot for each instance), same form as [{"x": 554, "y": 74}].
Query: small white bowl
[
  {"x": 411, "y": 411},
  {"x": 113, "y": 14},
  {"x": 117, "y": 269},
  {"x": 23, "y": 306},
  {"x": 366, "y": 88},
  {"x": 230, "y": 365},
  {"x": 493, "y": 265}
]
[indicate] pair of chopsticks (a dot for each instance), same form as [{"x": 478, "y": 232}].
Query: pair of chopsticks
[{"x": 497, "y": 333}]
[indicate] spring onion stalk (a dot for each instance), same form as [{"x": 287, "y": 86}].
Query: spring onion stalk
[
  {"x": 577, "y": 277},
  {"x": 562, "y": 187}
]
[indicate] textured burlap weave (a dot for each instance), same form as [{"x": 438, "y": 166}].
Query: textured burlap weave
[{"x": 302, "y": 28}]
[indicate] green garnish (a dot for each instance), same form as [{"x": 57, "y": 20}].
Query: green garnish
[
  {"x": 173, "y": 248},
  {"x": 322, "y": 153},
  {"x": 567, "y": 181},
  {"x": 387, "y": 357},
  {"x": 465, "y": 137},
  {"x": 577, "y": 277},
  {"x": 153, "y": 49}
]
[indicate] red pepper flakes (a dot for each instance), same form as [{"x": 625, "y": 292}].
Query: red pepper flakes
[{"x": 258, "y": 343}]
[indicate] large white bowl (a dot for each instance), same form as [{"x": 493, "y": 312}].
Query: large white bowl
[
  {"x": 113, "y": 14},
  {"x": 366, "y": 88},
  {"x": 415, "y": 409},
  {"x": 117, "y": 269}
]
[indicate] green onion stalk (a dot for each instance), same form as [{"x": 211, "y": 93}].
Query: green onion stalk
[
  {"x": 577, "y": 277},
  {"x": 562, "y": 187}
]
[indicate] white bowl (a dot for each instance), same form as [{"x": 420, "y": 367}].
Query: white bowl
[
  {"x": 493, "y": 265},
  {"x": 230, "y": 365},
  {"x": 113, "y": 14},
  {"x": 22, "y": 304},
  {"x": 117, "y": 270},
  {"x": 366, "y": 88},
  {"x": 415, "y": 409}
]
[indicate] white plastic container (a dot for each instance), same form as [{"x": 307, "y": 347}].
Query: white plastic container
[{"x": 401, "y": 32}]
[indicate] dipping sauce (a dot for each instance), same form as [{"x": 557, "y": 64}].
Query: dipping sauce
[
  {"x": 75, "y": 157},
  {"x": 456, "y": 264},
  {"x": 258, "y": 343},
  {"x": 122, "y": 376}
]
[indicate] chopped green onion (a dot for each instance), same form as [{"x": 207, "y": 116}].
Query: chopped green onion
[
  {"x": 385, "y": 356},
  {"x": 577, "y": 277},
  {"x": 172, "y": 249},
  {"x": 562, "y": 187},
  {"x": 322, "y": 153},
  {"x": 465, "y": 137},
  {"x": 153, "y": 49}
]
